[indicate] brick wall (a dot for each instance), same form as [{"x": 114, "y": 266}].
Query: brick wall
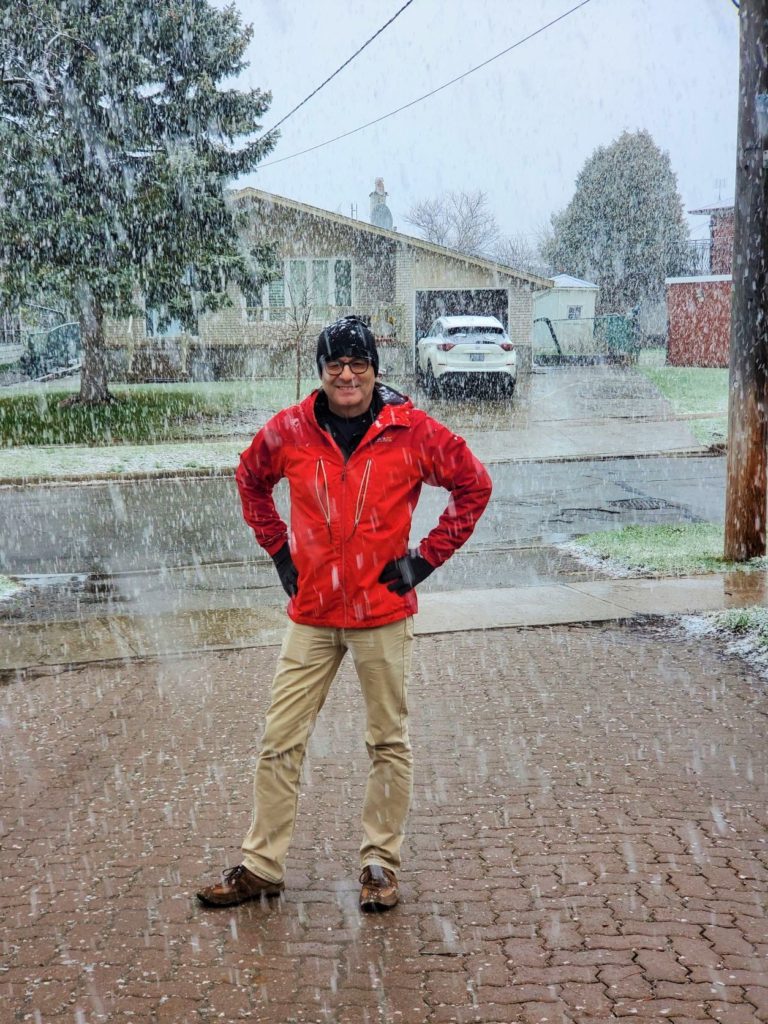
[
  {"x": 699, "y": 314},
  {"x": 721, "y": 231}
]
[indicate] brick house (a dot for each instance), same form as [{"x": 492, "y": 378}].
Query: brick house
[
  {"x": 699, "y": 306},
  {"x": 331, "y": 265}
]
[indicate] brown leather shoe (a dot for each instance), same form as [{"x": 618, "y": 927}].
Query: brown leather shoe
[
  {"x": 239, "y": 885},
  {"x": 379, "y": 888}
]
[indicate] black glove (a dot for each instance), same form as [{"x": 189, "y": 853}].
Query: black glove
[
  {"x": 403, "y": 574},
  {"x": 286, "y": 570}
]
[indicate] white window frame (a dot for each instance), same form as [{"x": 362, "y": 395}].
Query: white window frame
[{"x": 574, "y": 312}]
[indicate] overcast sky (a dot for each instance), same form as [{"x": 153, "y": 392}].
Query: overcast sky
[{"x": 521, "y": 128}]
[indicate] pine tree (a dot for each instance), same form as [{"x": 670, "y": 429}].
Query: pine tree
[
  {"x": 117, "y": 140},
  {"x": 624, "y": 227}
]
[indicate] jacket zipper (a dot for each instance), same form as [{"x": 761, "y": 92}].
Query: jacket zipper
[{"x": 343, "y": 543}]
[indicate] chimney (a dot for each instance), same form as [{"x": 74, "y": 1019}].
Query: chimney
[{"x": 380, "y": 213}]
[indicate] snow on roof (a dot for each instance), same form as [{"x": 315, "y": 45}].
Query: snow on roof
[
  {"x": 567, "y": 281},
  {"x": 470, "y": 321},
  {"x": 714, "y": 208}
]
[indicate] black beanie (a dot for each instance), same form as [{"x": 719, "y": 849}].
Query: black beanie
[{"x": 347, "y": 337}]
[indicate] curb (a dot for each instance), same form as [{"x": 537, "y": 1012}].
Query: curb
[{"x": 229, "y": 471}]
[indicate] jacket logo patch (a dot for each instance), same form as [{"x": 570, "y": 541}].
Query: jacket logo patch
[{"x": 383, "y": 440}]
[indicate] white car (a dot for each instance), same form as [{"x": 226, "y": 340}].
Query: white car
[{"x": 458, "y": 350}]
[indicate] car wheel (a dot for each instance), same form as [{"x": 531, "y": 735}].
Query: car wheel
[
  {"x": 508, "y": 388},
  {"x": 431, "y": 386}
]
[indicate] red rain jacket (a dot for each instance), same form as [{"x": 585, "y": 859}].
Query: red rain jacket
[{"x": 348, "y": 519}]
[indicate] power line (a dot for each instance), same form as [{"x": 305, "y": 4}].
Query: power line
[
  {"x": 346, "y": 62},
  {"x": 377, "y": 120}
]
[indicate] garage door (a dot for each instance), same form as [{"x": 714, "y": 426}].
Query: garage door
[{"x": 467, "y": 301}]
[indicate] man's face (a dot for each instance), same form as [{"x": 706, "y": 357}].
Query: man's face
[{"x": 349, "y": 393}]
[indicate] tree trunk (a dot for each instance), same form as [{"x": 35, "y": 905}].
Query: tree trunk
[
  {"x": 745, "y": 511},
  {"x": 298, "y": 365},
  {"x": 94, "y": 380}
]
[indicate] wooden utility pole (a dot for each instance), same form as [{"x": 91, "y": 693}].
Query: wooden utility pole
[{"x": 745, "y": 507}]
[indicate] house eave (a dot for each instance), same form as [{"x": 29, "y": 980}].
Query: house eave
[
  {"x": 396, "y": 236},
  {"x": 701, "y": 279}
]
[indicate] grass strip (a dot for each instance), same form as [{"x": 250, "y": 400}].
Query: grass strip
[{"x": 685, "y": 549}]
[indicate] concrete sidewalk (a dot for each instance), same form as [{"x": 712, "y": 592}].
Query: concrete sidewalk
[
  {"x": 587, "y": 841},
  {"x": 77, "y": 641}
]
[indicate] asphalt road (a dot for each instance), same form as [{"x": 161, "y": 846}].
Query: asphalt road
[{"x": 109, "y": 527}]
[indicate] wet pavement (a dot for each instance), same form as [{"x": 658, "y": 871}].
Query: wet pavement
[
  {"x": 111, "y": 632},
  {"x": 113, "y": 527},
  {"x": 587, "y": 842}
]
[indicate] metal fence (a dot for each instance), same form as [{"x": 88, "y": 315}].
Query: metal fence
[
  {"x": 47, "y": 350},
  {"x": 608, "y": 338}
]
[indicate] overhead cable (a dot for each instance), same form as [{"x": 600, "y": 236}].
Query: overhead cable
[
  {"x": 346, "y": 62},
  {"x": 378, "y": 120}
]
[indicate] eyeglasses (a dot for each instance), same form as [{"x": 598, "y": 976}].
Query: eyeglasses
[{"x": 335, "y": 367}]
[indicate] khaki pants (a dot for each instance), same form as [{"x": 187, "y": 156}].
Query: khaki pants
[{"x": 309, "y": 660}]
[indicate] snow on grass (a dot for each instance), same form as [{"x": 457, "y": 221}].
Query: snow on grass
[
  {"x": 8, "y": 588},
  {"x": 684, "y": 549},
  {"x": 710, "y": 431},
  {"x": 19, "y": 464},
  {"x": 742, "y": 631}
]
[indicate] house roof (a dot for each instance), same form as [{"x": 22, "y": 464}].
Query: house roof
[
  {"x": 398, "y": 236},
  {"x": 714, "y": 208},
  {"x": 567, "y": 281}
]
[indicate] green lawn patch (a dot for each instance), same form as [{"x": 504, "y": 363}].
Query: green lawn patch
[
  {"x": 691, "y": 389},
  {"x": 679, "y": 550},
  {"x": 142, "y": 414}
]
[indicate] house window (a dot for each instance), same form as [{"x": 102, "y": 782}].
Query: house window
[
  {"x": 298, "y": 293},
  {"x": 574, "y": 312},
  {"x": 342, "y": 274},
  {"x": 319, "y": 284},
  {"x": 172, "y": 329},
  {"x": 254, "y": 304},
  {"x": 276, "y": 299}
]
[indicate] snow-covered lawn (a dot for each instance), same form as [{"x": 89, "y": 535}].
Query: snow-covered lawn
[
  {"x": 8, "y": 587},
  {"x": 20, "y": 464},
  {"x": 742, "y": 631}
]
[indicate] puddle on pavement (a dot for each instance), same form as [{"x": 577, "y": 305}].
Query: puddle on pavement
[{"x": 745, "y": 588}]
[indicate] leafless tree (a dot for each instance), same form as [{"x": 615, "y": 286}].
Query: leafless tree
[
  {"x": 299, "y": 317},
  {"x": 457, "y": 220},
  {"x": 520, "y": 253}
]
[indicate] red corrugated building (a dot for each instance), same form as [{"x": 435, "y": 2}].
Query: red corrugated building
[{"x": 699, "y": 306}]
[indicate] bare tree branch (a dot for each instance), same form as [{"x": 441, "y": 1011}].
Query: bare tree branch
[{"x": 458, "y": 220}]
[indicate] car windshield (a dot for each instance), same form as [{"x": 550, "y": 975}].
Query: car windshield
[{"x": 452, "y": 331}]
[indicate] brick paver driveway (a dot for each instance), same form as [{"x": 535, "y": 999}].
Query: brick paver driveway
[{"x": 588, "y": 841}]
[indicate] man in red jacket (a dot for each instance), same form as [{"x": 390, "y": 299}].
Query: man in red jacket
[{"x": 355, "y": 454}]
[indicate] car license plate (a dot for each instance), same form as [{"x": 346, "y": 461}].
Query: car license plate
[{"x": 477, "y": 357}]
